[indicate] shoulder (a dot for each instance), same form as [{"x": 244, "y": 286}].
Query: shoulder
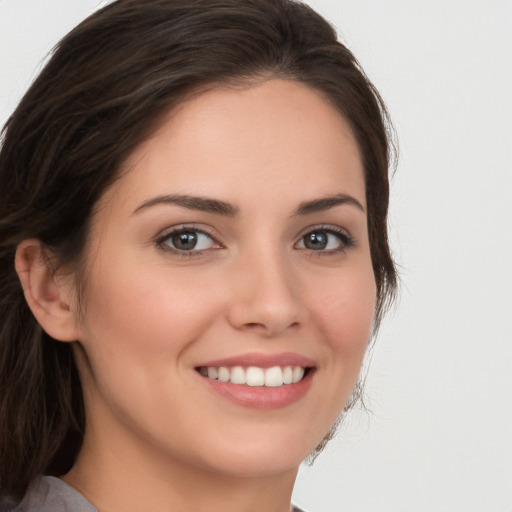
[{"x": 49, "y": 494}]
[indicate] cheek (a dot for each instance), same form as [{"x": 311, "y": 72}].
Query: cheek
[
  {"x": 344, "y": 312},
  {"x": 342, "y": 315},
  {"x": 137, "y": 330},
  {"x": 144, "y": 315}
]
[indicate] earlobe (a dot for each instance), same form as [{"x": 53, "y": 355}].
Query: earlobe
[{"x": 47, "y": 297}]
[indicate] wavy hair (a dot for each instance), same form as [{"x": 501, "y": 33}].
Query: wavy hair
[{"x": 106, "y": 88}]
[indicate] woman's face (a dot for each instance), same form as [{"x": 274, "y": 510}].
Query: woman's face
[{"x": 235, "y": 245}]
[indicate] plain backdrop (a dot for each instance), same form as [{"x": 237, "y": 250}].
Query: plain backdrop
[{"x": 438, "y": 434}]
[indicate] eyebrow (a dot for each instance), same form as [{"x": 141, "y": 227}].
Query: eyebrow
[
  {"x": 326, "y": 203},
  {"x": 219, "y": 207},
  {"x": 203, "y": 204}
]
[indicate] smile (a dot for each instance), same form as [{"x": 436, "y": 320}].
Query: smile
[
  {"x": 261, "y": 381},
  {"x": 275, "y": 376}
]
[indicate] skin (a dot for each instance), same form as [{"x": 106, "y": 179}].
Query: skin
[{"x": 155, "y": 432}]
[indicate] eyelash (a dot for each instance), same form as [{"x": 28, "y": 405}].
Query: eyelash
[
  {"x": 161, "y": 241},
  {"x": 346, "y": 241}
]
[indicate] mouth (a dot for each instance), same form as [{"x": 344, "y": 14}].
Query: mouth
[
  {"x": 254, "y": 376},
  {"x": 260, "y": 381}
]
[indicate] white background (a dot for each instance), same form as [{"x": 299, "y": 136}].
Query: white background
[{"x": 440, "y": 381}]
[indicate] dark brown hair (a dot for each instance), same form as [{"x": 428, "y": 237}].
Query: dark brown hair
[{"x": 103, "y": 92}]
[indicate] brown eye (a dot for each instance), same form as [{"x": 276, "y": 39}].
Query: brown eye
[
  {"x": 327, "y": 240},
  {"x": 316, "y": 241},
  {"x": 187, "y": 240}
]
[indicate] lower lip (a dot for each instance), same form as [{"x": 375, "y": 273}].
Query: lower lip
[{"x": 261, "y": 397}]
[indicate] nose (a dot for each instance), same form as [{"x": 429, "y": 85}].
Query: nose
[{"x": 266, "y": 296}]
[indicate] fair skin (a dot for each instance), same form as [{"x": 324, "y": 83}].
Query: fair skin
[{"x": 267, "y": 275}]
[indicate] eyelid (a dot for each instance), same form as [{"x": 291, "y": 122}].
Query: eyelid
[
  {"x": 164, "y": 235},
  {"x": 346, "y": 239},
  {"x": 324, "y": 227}
]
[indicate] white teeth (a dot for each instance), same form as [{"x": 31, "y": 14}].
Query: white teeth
[
  {"x": 238, "y": 375},
  {"x": 287, "y": 375},
  {"x": 224, "y": 374},
  {"x": 298, "y": 373},
  {"x": 274, "y": 377},
  {"x": 255, "y": 376}
]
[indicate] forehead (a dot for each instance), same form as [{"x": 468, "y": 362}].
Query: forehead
[{"x": 266, "y": 138}]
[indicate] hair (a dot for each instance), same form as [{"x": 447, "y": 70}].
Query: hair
[{"x": 104, "y": 91}]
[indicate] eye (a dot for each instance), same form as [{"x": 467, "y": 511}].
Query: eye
[
  {"x": 327, "y": 240},
  {"x": 187, "y": 240}
]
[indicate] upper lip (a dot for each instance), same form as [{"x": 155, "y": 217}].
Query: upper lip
[{"x": 262, "y": 360}]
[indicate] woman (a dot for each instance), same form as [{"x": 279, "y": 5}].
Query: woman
[{"x": 194, "y": 255}]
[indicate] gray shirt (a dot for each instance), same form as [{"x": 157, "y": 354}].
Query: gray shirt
[{"x": 50, "y": 494}]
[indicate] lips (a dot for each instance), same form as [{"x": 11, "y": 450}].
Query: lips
[{"x": 259, "y": 380}]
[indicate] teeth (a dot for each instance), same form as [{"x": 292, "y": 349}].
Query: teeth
[
  {"x": 254, "y": 376},
  {"x": 274, "y": 377},
  {"x": 238, "y": 375},
  {"x": 224, "y": 374},
  {"x": 298, "y": 373},
  {"x": 287, "y": 375}
]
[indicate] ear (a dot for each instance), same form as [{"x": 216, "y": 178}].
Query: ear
[{"x": 48, "y": 296}]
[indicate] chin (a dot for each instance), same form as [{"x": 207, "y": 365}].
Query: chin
[{"x": 262, "y": 452}]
